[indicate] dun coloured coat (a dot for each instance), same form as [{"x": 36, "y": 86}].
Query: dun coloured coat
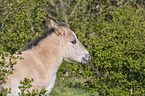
[{"x": 43, "y": 56}]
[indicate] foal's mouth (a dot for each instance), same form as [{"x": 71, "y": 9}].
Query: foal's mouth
[
  {"x": 85, "y": 59},
  {"x": 71, "y": 60}
]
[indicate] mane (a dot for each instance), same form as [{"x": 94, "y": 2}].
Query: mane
[{"x": 44, "y": 34}]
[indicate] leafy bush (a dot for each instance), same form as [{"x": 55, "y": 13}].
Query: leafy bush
[
  {"x": 25, "y": 85},
  {"x": 112, "y": 31},
  {"x": 20, "y": 21},
  {"x": 117, "y": 48},
  {"x": 24, "y": 89}
]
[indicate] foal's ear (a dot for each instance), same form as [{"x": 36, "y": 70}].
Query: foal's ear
[{"x": 57, "y": 28}]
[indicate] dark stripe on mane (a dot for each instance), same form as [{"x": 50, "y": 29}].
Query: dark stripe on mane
[
  {"x": 38, "y": 39},
  {"x": 44, "y": 34}
]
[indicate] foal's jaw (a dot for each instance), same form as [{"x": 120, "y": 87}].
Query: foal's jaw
[{"x": 82, "y": 60}]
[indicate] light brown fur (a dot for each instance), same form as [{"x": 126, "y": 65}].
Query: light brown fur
[{"x": 41, "y": 62}]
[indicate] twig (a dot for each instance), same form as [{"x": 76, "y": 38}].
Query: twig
[
  {"x": 3, "y": 23},
  {"x": 52, "y": 3},
  {"x": 8, "y": 16},
  {"x": 125, "y": 4},
  {"x": 46, "y": 18},
  {"x": 32, "y": 28},
  {"x": 137, "y": 5},
  {"x": 74, "y": 8},
  {"x": 131, "y": 91}
]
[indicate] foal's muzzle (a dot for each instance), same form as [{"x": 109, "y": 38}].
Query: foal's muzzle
[{"x": 86, "y": 59}]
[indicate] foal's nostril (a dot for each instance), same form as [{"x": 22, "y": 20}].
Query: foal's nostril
[{"x": 88, "y": 57}]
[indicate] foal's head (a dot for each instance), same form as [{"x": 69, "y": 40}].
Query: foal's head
[{"x": 72, "y": 48}]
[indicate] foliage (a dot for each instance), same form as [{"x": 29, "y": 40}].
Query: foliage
[
  {"x": 71, "y": 89},
  {"x": 115, "y": 39},
  {"x": 113, "y": 31},
  {"x": 5, "y": 91},
  {"x": 20, "y": 21},
  {"x": 118, "y": 53},
  {"x": 25, "y": 85}
]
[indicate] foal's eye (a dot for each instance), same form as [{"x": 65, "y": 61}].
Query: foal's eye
[{"x": 73, "y": 42}]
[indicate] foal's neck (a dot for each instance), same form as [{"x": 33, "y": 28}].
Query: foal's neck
[{"x": 50, "y": 52}]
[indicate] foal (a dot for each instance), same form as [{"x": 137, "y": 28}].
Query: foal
[{"x": 43, "y": 56}]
